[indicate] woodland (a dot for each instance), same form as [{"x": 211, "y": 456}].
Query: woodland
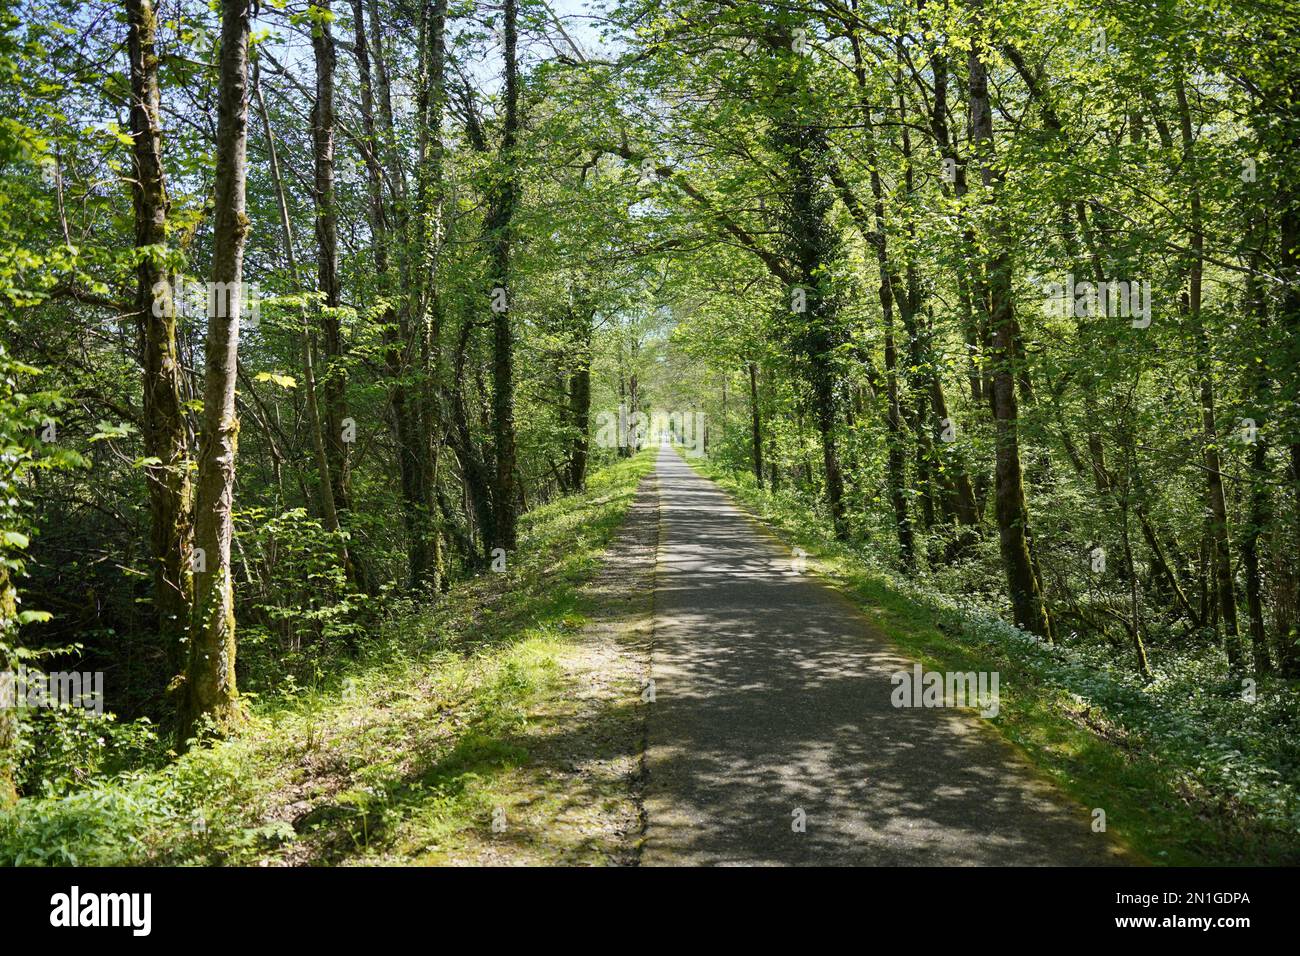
[{"x": 310, "y": 311}]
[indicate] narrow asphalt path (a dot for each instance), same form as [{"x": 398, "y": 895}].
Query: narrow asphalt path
[{"x": 772, "y": 704}]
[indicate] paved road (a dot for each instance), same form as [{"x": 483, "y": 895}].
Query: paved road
[{"x": 772, "y": 695}]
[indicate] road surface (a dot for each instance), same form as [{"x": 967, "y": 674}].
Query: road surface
[{"x": 772, "y": 706}]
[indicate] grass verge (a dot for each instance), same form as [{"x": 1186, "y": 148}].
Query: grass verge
[{"x": 410, "y": 755}]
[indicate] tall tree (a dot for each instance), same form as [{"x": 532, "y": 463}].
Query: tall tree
[
  {"x": 211, "y": 689},
  {"x": 165, "y": 438},
  {"x": 1215, "y": 498},
  {"x": 499, "y": 229},
  {"x": 334, "y": 383},
  {"x": 1023, "y": 587}
]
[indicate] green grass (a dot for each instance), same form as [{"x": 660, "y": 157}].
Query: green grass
[
  {"x": 402, "y": 757},
  {"x": 1186, "y": 772}
]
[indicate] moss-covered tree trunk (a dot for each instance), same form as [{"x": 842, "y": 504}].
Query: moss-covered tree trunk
[
  {"x": 500, "y": 224},
  {"x": 211, "y": 687},
  {"x": 327, "y": 426},
  {"x": 812, "y": 247},
  {"x": 418, "y": 414},
  {"x": 165, "y": 441},
  {"x": 8, "y": 715}
]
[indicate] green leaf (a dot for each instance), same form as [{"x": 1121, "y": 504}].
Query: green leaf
[
  {"x": 108, "y": 431},
  {"x": 284, "y": 381}
]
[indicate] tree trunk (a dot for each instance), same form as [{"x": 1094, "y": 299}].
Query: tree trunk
[
  {"x": 1289, "y": 637},
  {"x": 1260, "y": 476},
  {"x": 959, "y": 493},
  {"x": 1216, "y": 502},
  {"x": 475, "y": 470},
  {"x": 1163, "y": 566},
  {"x": 210, "y": 688},
  {"x": 8, "y": 715},
  {"x": 896, "y": 458},
  {"x": 333, "y": 385},
  {"x": 955, "y": 184},
  {"x": 633, "y": 410},
  {"x": 580, "y": 400},
  {"x": 1135, "y": 611},
  {"x": 1273, "y": 119},
  {"x": 165, "y": 443},
  {"x": 623, "y": 450},
  {"x": 500, "y": 228},
  {"x": 878, "y": 238},
  {"x": 1259, "y": 508},
  {"x": 1027, "y": 602},
  {"x": 818, "y": 336},
  {"x": 423, "y": 543},
  {"x": 756, "y": 419},
  {"x": 431, "y": 417}
]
